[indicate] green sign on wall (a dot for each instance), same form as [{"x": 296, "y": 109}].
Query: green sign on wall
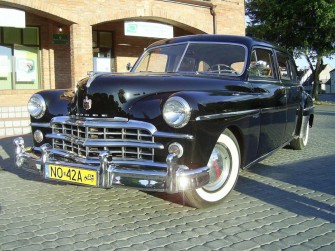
[{"x": 60, "y": 39}]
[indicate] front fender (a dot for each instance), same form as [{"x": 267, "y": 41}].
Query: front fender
[
  {"x": 58, "y": 103},
  {"x": 212, "y": 113}
]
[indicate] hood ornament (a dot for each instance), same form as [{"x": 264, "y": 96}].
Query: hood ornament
[{"x": 87, "y": 103}]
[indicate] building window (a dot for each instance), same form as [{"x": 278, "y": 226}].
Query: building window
[{"x": 19, "y": 58}]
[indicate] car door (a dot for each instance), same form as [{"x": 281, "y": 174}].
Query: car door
[
  {"x": 288, "y": 76},
  {"x": 272, "y": 99}
]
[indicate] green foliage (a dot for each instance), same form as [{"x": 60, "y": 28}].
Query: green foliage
[
  {"x": 298, "y": 25},
  {"x": 306, "y": 27}
]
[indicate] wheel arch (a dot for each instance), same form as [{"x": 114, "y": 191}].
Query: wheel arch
[{"x": 239, "y": 137}]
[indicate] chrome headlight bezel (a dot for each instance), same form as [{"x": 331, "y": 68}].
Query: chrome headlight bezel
[
  {"x": 176, "y": 112},
  {"x": 36, "y": 106}
]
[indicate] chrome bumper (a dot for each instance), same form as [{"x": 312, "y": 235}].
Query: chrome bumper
[{"x": 167, "y": 177}]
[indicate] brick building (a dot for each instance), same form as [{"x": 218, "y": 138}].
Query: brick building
[{"x": 62, "y": 40}]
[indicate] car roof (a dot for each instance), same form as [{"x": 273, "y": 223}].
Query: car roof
[{"x": 247, "y": 41}]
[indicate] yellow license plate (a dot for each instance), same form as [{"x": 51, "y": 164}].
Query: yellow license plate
[{"x": 71, "y": 174}]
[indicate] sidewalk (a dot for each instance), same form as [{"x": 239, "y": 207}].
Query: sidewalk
[{"x": 14, "y": 120}]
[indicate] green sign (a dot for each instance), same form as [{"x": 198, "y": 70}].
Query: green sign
[
  {"x": 132, "y": 28},
  {"x": 60, "y": 39}
]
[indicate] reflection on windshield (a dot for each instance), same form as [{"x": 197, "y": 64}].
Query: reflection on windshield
[{"x": 201, "y": 58}]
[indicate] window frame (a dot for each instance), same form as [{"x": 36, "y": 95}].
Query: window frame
[
  {"x": 274, "y": 64},
  {"x": 293, "y": 74}
]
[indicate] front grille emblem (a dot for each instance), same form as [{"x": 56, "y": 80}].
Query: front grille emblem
[{"x": 87, "y": 104}]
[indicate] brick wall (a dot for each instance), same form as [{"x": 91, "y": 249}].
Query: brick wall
[{"x": 64, "y": 65}]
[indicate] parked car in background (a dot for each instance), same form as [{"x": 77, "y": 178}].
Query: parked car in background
[{"x": 192, "y": 113}]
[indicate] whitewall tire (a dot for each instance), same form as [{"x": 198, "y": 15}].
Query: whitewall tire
[
  {"x": 224, "y": 164},
  {"x": 301, "y": 142}
]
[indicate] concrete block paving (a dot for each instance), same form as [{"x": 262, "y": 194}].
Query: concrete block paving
[{"x": 284, "y": 202}]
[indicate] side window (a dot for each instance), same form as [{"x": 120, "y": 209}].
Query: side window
[
  {"x": 261, "y": 64},
  {"x": 154, "y": 62},
  {"x": 284, "y": 66},
  {"x": 287, "y": 68}
]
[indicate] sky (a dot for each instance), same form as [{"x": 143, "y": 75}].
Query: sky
[{"x": 302, "y": 63}]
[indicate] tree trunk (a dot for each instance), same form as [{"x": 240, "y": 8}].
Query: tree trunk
[
  {"x": 316, "y": 84},
  {"x": 316, "y": 77}
]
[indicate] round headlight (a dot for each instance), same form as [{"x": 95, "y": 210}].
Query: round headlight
[
  {"x": 36, "y": 106},
  {"x": 176, "y": 112}
]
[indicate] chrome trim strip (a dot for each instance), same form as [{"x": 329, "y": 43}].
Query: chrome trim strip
[
  {"x": 44, "y": 125},
  {"x": 106, "y": 143},
  {"x": 103, "y": 123},
  {"x": 117, "y": 123},
  {"x": 268, "y": 80},
  {"x": 172, "y": 135},
  {"x": 114, "y": 119},
  {"x": 227, "y": 115}
]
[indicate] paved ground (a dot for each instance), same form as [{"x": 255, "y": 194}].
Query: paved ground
[{"x": 285, "y": 202}]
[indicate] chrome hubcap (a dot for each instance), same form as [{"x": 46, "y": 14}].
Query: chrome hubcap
[{"x": 219, "y": 167}]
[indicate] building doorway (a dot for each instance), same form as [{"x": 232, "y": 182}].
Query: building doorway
[{"x": 103, "y": 60}]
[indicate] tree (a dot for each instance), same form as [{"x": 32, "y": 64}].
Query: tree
[{"x": 305, "y": 27}]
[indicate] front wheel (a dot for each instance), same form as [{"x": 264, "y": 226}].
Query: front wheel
[{"x": 224, "y": 165}]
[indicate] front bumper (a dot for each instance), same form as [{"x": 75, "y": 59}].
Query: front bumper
[{"x": 167, "y": 177}]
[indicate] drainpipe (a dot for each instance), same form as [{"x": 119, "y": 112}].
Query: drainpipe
[{"x": 213, "y": 13}]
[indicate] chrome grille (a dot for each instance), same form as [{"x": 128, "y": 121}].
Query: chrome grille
[{"x": 87, "y": 138}]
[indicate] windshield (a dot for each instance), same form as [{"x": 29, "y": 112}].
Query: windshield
[{"x": 206, "y": 58}]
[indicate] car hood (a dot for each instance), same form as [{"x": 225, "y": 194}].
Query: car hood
[{"x": 112, "y": 95}]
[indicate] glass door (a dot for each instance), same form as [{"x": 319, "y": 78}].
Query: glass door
[{"x": 6, "y": 68}]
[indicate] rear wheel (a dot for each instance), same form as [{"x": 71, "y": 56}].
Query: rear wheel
[
  {"x": 301, "y": 142},
  {"x": 224, "y": 164}
]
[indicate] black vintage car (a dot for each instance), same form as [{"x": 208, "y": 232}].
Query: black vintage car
[{"x": 189, "y": 116}]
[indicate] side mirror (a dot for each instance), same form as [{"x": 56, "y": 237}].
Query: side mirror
[{"x": 129, "y": 67}]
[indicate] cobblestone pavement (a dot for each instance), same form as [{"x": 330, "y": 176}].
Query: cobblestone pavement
[{"x": 285, "y": 202}]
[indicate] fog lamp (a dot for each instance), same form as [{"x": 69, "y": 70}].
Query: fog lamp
[
  {"x": 176, "y": 148},
  {"x": 38, "y": 136}
]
